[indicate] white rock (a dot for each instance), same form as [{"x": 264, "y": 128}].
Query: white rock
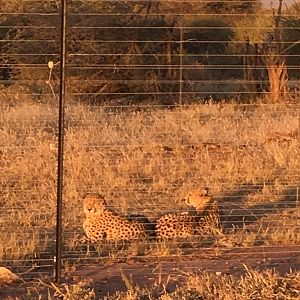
[{"x": 7, "y": 277}]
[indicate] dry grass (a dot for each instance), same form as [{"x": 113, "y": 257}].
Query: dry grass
[
  {"x": 254, "y": 285},
  {"x": 267, "y": 285},
  {"x": 144, "y": 161}
]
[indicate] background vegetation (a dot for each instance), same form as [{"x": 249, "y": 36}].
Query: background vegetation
[{"x": 110, "y": 59}]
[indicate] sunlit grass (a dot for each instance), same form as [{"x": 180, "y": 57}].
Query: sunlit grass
[
  {"x": 144, "y": 161},
  {"x": 252, "y": 285}
]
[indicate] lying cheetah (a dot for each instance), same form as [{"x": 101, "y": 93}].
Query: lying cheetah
[
  {"x": 197, "y": 222},
  {"x": 102, "y": 224}
]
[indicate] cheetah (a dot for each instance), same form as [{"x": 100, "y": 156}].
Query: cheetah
[
  {"x": 102, "y": 224},
  {"x": 200, "y": 220}
]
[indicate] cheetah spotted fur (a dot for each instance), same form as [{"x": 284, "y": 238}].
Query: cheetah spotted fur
[
  {"x": 198, "y": 221},
  {"x": 102, "y": 224}
]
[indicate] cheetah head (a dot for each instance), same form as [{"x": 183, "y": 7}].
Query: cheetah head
[
  {"x": 198, "y": 199},
  {"x": 93, "y": 204}
]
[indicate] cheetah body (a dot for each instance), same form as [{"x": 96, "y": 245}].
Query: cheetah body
[
  {"x": 102, "y": 224},
  {"x": 197, "y": 221},
  {"x": 181, "y": 225}
]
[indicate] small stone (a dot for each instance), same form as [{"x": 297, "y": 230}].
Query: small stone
[{"x": 7, "y": 277}]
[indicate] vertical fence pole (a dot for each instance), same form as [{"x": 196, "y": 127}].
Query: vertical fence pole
[
  {"x": 297, "y": 188},
  {"x": 180, "y": 60},
  {"x": 60, "y": 139}
]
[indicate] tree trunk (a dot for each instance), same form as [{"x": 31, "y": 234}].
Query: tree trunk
[
  {"x": 275, "y": 60},
  {"x": 277, "y": 73}
]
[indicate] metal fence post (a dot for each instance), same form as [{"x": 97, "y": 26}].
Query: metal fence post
[
  {"x": 60, "y": 140},
  {"x": 180, "y": 61}
]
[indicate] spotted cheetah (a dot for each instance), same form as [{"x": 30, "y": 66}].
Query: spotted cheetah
[
  {"x": 200, "y": 220},
  {"x": 102, "y": 224}
]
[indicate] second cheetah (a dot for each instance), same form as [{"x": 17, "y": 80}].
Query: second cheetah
[{"x": 187, "y": 224}]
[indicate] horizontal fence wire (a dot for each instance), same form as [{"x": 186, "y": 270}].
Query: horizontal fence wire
[{"x": 164, "y": 100}]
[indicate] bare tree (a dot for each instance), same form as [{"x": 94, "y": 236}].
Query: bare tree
[
  {"x": 268, "y": 57},
  {"x": 275, "y": 59}
]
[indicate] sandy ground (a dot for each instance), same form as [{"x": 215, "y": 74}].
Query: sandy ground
[
  {"x": 170, "y": 272},
  {"x": 173, "y": 271}
]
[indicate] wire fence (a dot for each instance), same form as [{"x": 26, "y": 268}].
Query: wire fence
[{"x": 148, "y": 103}]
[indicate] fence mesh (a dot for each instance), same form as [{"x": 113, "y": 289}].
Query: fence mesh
[{"x": 163, "y": 99}]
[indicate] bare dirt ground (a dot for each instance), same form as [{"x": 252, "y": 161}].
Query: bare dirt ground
[{"x": 172, "y": 272}]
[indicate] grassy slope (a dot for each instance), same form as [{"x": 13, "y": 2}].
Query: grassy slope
[{"x": 144, "y": 161}]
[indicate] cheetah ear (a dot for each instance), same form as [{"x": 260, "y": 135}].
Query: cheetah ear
[
  {"x": 187, "y": 198},
  {"x": 102, "y": 197},
  {"x": 206, "y": 191},
  {"x": 85, "y": 195},
  {"x": 88, "y": 194},
  {"x": 183, "y": 199}
]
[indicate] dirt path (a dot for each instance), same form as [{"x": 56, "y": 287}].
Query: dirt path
[
  {"x": 107, "y": 278},
  {"x": 173, "y": 271}
]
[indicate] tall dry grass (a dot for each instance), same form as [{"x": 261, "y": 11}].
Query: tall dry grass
[{"x": 145, "y": 160}]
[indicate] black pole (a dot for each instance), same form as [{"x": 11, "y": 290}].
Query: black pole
[
  {"x": 60, "y": 139},
  {"x": 180, "y": 61}
]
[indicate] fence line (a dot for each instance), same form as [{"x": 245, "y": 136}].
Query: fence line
[{"x": 130, "y": 111}]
